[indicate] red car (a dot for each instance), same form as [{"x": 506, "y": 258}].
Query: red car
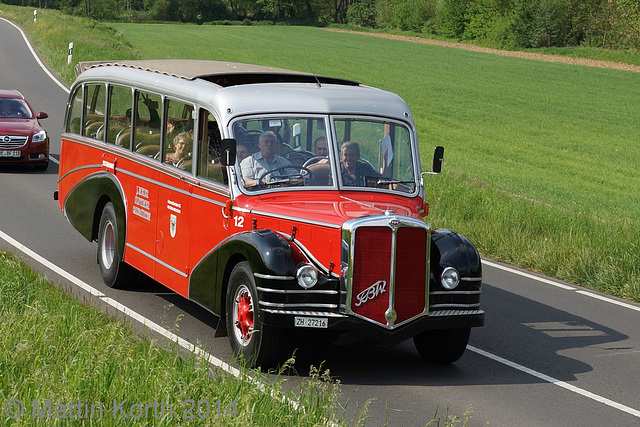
[{"x": 22, "y": 138}]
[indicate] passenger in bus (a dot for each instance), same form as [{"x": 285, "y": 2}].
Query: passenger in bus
[
  {"x": 154, "y": 117},
  {"x": 182, "y": 145},
  {"x": 354, "y": 170},
  {"x": 127, "y": 117},
  {"x": 242, "y": 151},
  {"x": 258, "y": 165}
]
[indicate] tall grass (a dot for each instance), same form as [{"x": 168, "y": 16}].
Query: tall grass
[{"x": 541, "y": 158}]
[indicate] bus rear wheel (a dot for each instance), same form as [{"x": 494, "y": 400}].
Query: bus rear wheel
[
  {"x": 250, "y": 339},
  {"x": 115, "y": 272}
]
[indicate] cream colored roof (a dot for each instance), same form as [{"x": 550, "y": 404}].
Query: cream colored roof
[{"x": 214, "y": 71}]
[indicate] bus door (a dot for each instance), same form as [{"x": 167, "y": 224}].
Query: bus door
[
  {"x": 141, "y": 184},
  {"x": 211, "y": 201},
  {"x": 174, "y": 230}
]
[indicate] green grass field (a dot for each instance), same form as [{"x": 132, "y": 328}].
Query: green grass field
[{"x": 540, "y": 161}]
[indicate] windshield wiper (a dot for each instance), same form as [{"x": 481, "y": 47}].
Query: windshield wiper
[{"x": 378, "y": 182}]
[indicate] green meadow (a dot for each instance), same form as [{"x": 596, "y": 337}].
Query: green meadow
[{"x": 540, "y": 158}]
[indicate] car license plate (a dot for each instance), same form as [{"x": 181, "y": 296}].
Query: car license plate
[
  {"x": 12, "y": 153},
  {"x": 311, "y": 322}
]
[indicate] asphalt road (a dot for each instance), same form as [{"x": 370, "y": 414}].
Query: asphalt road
[{"x": 549, "y": 354}]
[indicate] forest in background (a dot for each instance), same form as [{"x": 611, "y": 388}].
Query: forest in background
[{"x": 503, "y": 24}]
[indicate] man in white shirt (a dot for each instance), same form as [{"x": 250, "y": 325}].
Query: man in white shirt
[{"x": 258, "y": 165}]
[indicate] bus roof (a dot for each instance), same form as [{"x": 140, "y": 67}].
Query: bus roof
[
  {"x": 235, "y": 89},
  {"x": 218, "y": 72}
]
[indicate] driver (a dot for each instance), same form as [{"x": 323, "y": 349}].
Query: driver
[{"x": 264, "y": 161}]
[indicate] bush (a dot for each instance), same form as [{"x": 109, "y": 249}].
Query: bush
[
  {"x": 451, "y": 18},
  {"x": 488, "y": 22},
  {"x": 413, "y": 15},
  {"x": 362, "y": 13}
]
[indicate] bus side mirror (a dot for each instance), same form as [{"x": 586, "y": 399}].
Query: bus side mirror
[
  {"x": 438, "y": 157},
  {"x": 228, "y": 152}
]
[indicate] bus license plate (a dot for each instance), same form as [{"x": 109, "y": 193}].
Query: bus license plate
[
  {"x": 311, "y": 322},
  {"x": 4, "y": 153}
]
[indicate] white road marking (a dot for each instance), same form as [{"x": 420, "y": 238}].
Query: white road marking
[
  {"x": 561, "y": 285},
  {"x": 36, "y": 57},
  {"x": 527, "y": 275},
  {"x": 557, "y": 382},
  {"x": 609, "y": 300}
]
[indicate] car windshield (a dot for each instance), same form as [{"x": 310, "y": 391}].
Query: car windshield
[
  {"x": 277, "y": 152},
  {"x": 13, "y": 108}
]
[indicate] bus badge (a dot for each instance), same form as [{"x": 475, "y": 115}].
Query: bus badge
[
  {"x": 371, "y": 292},
  {"x": 173, "y": 221}
]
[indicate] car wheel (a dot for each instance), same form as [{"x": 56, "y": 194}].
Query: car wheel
[
  {"x": 115, "y": 273},
  {"x": 442, "y": 345},
  {"x": 250, "y": 340}
]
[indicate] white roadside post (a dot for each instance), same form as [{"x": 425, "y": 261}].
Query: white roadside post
[
  {"x": 35, "y": 16},
  {"x": 70, "y": 53}
]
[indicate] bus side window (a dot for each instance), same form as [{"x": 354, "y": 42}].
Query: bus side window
[
  {"x": 209, "y": 166},
  {"x": 146, "y": 137},
  {"x": 178, "y": 135},
  {"x": 95, "y": 107},
  {"x": 74, "y": 118},
  {"x": 117, "y": 121}
]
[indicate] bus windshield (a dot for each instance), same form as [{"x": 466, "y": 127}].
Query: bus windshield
[{"x": 365, "y": 153}]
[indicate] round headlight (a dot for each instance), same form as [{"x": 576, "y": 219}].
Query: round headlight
[
  {"x": 450, "y": 278},
  {"x": 307, "y": 276}
]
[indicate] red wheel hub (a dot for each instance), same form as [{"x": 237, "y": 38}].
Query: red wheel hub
[{"x": 245, "y": 315}]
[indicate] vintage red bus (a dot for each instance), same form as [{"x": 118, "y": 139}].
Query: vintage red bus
[{"x": 278, "y": 200}]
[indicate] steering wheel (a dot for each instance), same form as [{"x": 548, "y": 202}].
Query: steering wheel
[
  {"x": 314, "y": 160},
  {"x": 307, "y": 175}
]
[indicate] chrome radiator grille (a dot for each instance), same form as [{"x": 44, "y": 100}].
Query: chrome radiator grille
[{"x": 387, "y": 275}]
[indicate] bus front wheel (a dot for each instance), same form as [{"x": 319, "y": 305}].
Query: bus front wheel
[{"x": 250, "y": 339}]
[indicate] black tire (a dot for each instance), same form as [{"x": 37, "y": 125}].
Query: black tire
[
  {"x": 115, "y": 273},
  {"x": 442, "y": 345},
  {"x": 257, "y": 344}
]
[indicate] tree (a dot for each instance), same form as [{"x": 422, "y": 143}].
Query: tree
[
  {"x": 362, "y": 13},
  {"x": 629, "y": 13},
  {"x": 452, "y": 19}
]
